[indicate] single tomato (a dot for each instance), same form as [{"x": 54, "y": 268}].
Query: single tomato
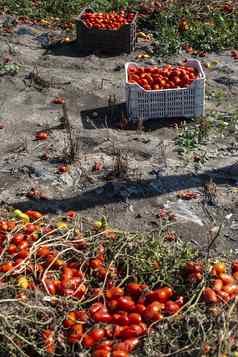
[
  {"x": 209, "y": 296},
  {"x": 41, "y": 135}
]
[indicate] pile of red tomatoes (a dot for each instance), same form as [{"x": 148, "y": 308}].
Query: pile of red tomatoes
[
  {"x": 107, "y": 21},
  {"x": 121, "y": 319},
  {"x": 224, "y": 286},
  {"x": 167, "y": 77}
]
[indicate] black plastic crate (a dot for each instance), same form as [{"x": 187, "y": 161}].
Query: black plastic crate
[{"x": 107, "y": 41}]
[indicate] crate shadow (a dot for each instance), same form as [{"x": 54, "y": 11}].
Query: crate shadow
[
  {"x": 73, "y": 49},
  {"x": 115, "y": 117},
  {"x": 104, "y": 117}
]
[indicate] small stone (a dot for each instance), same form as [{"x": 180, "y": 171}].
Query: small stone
[
  {"x": 99, "y": 191},
  {"x": 118, "y": 68},
  {"x": 94, "y": 114}
]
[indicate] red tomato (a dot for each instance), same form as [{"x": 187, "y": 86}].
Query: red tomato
[
  {"x": 219, "y": 268},
  {"x": 227, "y": 279},
  {"x": 235, "y": 266},
  {"x": 72, "y": 283},
  {"x": 68, "y": 273},
  {"x": 134, "y": 318},
  {"x": 72, "y": 339},
  {"x": 132, "y": 331},
  {"x": 121, "y": 319},
  {"x": 132, "y": 69},
  {"x": 147, "y": 87},
  {"x": 140, "y": 308},
  {"x": 143, "y": 82},
  {"x": 101, "y": 316},
  {"x": 18, "y": 262},
  {"x": 23, "y": 245},
  {"x": 161, "y": 295},
  {"x": 48, "y": 339},
  {"x": 117, "y": 331},
  {"x": 50, "y": 286},
  {"x": 217, "y": 284},
  {"x": 231, "y": 289},
  {"x": 235, "y": 275},
  {"x": 88, "y": 341},
  {"x": 152, "y": 311},
  {"x": 171, "y": 307},
  {"x": 97, "y": 334},
  {"x": 11, "y": 225},
  {"x": 189, "y": 267},
  {"x": 82, "y": 315},
  {"x": 101, "y": 353},
  {"x": 59, "y": 100},
  {"x": 30, "y": 228},
  {"x": 76, "y": 334},
  {"x": 77, "y": 330},
  {"x": 70, "y": 319},
  {"x": 118, "y": 353},
  {"x": 43, "y": 251},
  {"x": 12, "y": 249},
  {"x": 95, "y": 263},
  {"x": 140, "y": 70},
  {"x": 6, "y": 267},
  {"x": 56, "y": 283},
  {"x": 17, "y": 238},
  {"x": 223, "y": 296},
  {"x": 71, "y": 214},
  {"x": 95, "y": 307},
  {"x": 148, "y": 78},
  {"x": 101, "y": 273},
  {"x": 127, "y": 345},
  {"x": 42, "y": 135},
  {"x": 112, "y": 305},
  {"x": 126, "y": 303},
  {"x": 156, "y": 87},
  {"x": 63, "y": 168},
  {"x": 23, "y": 253},
  {"x": 3, "y": 226},
  {"x": 143, "y": 327},
  {"x": 114, "y": 293},
  {"x": 34, "y": 214},
  {"x": 105, "y": 345},
  {"x": 209, "y": 295},
  {"x": 135, "y": 289}
]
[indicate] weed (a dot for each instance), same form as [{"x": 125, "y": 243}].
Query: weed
[
  {"x": 73, "y": 139},
  {"x": 207, "y": 28},
  {"x": 9, "y": 69},
  {"x": 120, "y": 164},
  {"x": 189, "y": 137},
  {"x": 140, "y": 126}
]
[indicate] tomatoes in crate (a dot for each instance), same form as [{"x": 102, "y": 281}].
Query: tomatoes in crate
[
  {"x": 157, "y": 78},
  {"x": 107, "y": 21}
]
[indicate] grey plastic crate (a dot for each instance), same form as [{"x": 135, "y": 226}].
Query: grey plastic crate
[{"x": 166, "y": 103}]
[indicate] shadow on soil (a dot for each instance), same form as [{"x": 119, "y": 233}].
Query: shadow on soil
[
  {"x": 73, "y": 49},
  {"x": 115, "y": 117},
  {"x": 114, "y": 192}
]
